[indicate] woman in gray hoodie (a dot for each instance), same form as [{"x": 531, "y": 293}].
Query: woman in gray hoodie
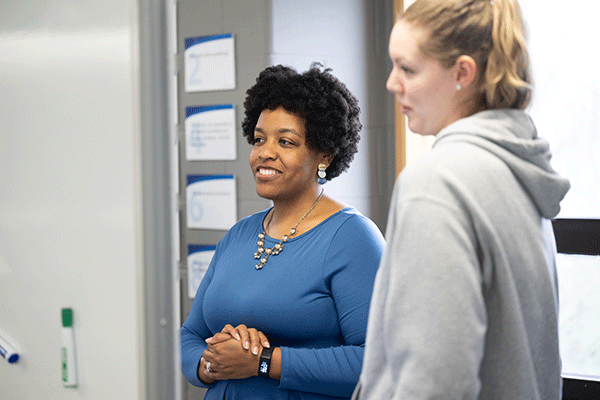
[{"x": 465, "y": 301}]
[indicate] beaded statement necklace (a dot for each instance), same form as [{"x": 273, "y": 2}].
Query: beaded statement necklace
[{"x": 263, "y": 253}]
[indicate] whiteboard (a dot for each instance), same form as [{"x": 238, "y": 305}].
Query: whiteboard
[{"x": 68, "y": 214}]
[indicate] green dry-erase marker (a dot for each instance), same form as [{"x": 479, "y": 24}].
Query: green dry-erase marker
[{"x": 69, "y": 372}]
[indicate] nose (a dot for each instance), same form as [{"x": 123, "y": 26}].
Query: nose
[
  {"x": 267, "y": 151},
  {"x": 394, "y": 83}
]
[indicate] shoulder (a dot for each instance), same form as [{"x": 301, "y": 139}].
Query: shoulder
[
  {"x": 349, "y": 223},
  {"x": 455, "y": 165},
  {"x": 350, "y": 216},
  {"x": 355, "y": 245}
]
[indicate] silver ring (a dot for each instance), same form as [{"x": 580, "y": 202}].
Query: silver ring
[{"x": 207, "y": 370}]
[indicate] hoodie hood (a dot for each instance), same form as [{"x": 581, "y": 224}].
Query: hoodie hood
[{"x": 512, "y": 137}]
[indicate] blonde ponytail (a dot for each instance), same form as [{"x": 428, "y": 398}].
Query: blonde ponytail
[{"x": 507, "y": 81}]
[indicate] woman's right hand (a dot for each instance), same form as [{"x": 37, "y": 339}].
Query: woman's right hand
[{"x": 250, "y": 337}]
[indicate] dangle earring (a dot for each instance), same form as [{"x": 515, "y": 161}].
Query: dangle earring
[
  {"x": 458, "y": 87},
  {"x": 322, "y": 174}
]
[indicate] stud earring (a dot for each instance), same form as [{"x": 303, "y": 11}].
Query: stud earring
[
  {"x": 322, "y": 174},
  {"x": 458, "y": 87}
]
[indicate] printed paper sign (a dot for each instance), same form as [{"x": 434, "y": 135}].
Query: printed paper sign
[
  {"x": 211, "y": 201},
  {"x": 198, "y": 260},
  {"x": 210, "y": 133},
  {"x": 209, "y": 63}
]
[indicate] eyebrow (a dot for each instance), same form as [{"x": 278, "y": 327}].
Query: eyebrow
[
  {"x": 281, "y": 130},
  {"x": 398, "y": 57}
]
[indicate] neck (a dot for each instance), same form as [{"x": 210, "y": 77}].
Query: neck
[{"x": 286, "y": 213}]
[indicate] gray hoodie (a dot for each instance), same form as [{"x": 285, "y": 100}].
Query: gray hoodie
[{"x": 465, "y": 302}]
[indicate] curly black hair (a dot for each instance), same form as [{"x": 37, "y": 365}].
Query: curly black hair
[{"x": 329, "y": 109}]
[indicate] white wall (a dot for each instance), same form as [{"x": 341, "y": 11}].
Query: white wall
[{"x": 69, "y": 197}]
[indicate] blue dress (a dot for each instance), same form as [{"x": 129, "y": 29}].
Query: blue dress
[{"x": 311, "y": 300}]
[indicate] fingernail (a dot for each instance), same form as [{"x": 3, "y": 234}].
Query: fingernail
[
  {"x": 267, "y": 345},
  {"x": 255, "y": 350},
  {"x": 246, "y": 345},
  {"x": 237, "y": 336}
]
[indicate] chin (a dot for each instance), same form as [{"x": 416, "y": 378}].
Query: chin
[
  {"x": 420, "y": 130},
  {"x": 415, "y": 129},
  {"x": 265, "y": 193}
]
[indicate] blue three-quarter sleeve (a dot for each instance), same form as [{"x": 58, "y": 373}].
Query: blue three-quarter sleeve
[{"x": 193, "y": 333}]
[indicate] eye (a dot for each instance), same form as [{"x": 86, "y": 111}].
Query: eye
[
  {"x": 257, "y": 140},
  {"x": 285, "y": 142},
  {"x": 401, "y": 66},
  {"x": 406, "y": 70}
]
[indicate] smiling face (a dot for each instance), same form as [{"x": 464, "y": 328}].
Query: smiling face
[
  {"x": 425, "y": 90},
  {"x": 283, "y": 165}
]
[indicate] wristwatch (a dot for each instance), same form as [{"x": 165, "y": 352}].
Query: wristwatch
[{"x": 264, "y": 364}]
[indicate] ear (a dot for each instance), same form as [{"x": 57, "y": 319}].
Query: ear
[
  {"x": 465, "y": 70},
  {"x": 325, "y": 158}
]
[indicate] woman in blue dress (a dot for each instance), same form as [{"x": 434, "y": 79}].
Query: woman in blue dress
[{"x": 282, "y": 310}]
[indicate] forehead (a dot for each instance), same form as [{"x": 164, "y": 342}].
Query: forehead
[
  {"x": 280, "y": 120},
  {"x": 405, "y": 40}
]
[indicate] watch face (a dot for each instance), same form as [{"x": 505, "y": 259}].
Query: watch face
[{"x": 264, "y": 367}]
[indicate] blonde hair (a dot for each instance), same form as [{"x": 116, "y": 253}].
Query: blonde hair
[{"x": 491, "y": 32}]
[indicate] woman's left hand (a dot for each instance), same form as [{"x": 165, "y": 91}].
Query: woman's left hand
[
  {"x": 229, "y": 360},
  {"x": 251, "y": 338}
]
